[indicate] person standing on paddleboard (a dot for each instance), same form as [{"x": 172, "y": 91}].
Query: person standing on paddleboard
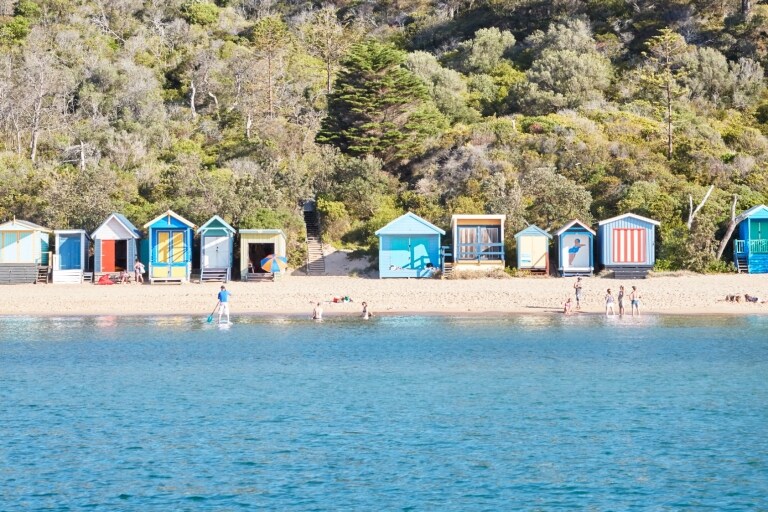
[{"x": 224, "y": 295}]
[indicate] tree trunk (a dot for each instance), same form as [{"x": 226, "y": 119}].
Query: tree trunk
[
  {"x": 746, "y": 6},
  {"x": 729, "y": 231},
  {"x": 691, "y": 212},
  {"x": 192, "y": 98},
  {"x": 248, "y": 125},
  {"x": 328, "y": 70},
  {"x": 82, "y": 156},
  {"x": 215, "y": 102},
  {"x": 669, "y": 119},
  {"x": 269, "y": 86}
]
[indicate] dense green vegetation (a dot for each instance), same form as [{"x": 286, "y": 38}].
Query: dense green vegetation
[{"x": 543, "y": 110}]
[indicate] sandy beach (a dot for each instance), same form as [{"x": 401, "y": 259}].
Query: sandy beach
[{"x": 293, "y": 295}]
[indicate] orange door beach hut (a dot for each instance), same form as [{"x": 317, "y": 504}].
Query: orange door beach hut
[
  {"x": 217, "y": 240},
  {"x": 627, "y": 245},
  {"x": 115, "y": 245},
  {"x": 575, "y": 249},
  {"x": 23, "y": 251},
  {"x": 71, "y": 259},
  {"x": 409, "y": 246},
  {"x": 169, "y": 248},
  {"x": 478, "y": 241},
  {"x": 750, "y": 250},
  {"x": 533, "y": 250}
]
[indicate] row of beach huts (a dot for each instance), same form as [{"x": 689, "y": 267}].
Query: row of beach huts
[{"x": 409, "y": 247}]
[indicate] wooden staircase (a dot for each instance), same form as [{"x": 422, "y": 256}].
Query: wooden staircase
[
  {"x": 43, "y": 274},
  {"x": 742, "y": 265},
  {"x": 214, "y": 275},
  {"x": 315, "y": 257}
]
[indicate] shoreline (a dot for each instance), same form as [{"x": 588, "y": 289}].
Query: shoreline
[{"x": 294, "y": 296}]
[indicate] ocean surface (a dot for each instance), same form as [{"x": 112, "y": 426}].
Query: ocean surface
[{"x": 396, "y": 413}]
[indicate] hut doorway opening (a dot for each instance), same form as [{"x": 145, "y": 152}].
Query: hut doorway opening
[
  {"x": 121, "y": 255},
  {"x": 256, "y": 253}
]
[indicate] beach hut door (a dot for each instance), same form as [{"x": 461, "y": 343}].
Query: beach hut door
[
  {"x": 69, "y": 253},
  {"x": 216, "y": 251}
]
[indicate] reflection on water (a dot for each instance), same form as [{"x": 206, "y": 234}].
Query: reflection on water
[{"x": 537, "y": 412}]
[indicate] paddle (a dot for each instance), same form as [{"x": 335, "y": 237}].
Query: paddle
[{"x": 210, "y": 317}]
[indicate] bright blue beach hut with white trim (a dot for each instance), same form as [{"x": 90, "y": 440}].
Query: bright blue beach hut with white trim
[
  {"x": 575, "y": 249},
  {"x": 750, "y": 249},
  {"x": 409, "y": 246},
  {"x": 71, "y": 259},
  {"x": 24, "y": 250},
  {"x": 169, "y": 248},
  {"x": 533, "y": 250},
  {"x": 627, "y": 245},
  {"x": 217, "y": 241}
]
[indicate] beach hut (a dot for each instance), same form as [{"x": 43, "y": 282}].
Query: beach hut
[
  {"x": 24, "y": 252},
  {"x": 533, "y": 250},
  {"x": 217, "y": 239},
  {"x": 750, "y": 250},
  {"x": 168, "y": 250},
  {"x": 71, "y": 259},
  {"x": 115, "y": 245},
  {"x": 255, "y": 245},
  {"x": 409, "y": 246},
  {"x": 478, "y": 241},
  {"x": 575, "y": 249},
  {"x": 627, "y": 245}
]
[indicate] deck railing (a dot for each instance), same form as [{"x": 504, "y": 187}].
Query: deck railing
[
  {"x": 751, "y": 246},
  {"x": 479, "y": 252}
]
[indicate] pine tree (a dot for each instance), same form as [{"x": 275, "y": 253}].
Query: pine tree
[{"x": 378, "y": 107}]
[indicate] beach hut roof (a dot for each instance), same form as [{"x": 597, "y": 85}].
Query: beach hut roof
[
  {"x": 221, "y": 224},
  {"x": 121, "y": 219},
  {"x": 749, "y": 213},
  {"x": 173, "y": 214},
  {"x": 571, "y": 224},
  {"x": 262, "y": 232},
  {"x": 532, "y": 230},
  {"x": 629, "y": 215},
  {"x": 409, "y": 224},
  {"x": 22, "y": 225}
]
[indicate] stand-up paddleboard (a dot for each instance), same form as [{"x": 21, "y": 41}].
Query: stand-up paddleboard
[{"x": 224, "y": 325}]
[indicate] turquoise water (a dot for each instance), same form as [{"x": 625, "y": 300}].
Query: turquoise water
[{"x": 419, "y": 413}]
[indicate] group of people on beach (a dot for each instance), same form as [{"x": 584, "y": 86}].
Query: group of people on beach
[{"x": 610, "y": 300}]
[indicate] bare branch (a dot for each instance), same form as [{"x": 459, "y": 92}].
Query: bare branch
[{"x": 692, "y": 213}]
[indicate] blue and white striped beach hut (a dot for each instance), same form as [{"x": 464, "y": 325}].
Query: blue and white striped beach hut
[
  {"x": 409, "y": 246},
  {"x": 627, "y": 244}
]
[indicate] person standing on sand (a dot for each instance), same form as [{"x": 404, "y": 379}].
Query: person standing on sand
[
  {"x": 577, "y": 288},
  {"x": 138, "y": 272},
  {"x": 224, "y": 303},
  {"x": 609, "y": 303},
  {"x": 621, "y": 300},
  {"x": 634, "y": 301}
]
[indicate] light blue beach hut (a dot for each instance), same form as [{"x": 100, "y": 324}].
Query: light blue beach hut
[
  {"x": 24, "y": 252},
  {"x": 533, "y": 250},
  {"x": 409, "y": 246},
  {"x": 115, "y": 245},
  {"x": 627, "y": 245},
  {"x": 217, "y": 239},
  {"x": 71, "y": 259},
  {"x": 750, "y": 250},
  {"x": 169, "y": 248},
  {"x": 575, "y": 249}
]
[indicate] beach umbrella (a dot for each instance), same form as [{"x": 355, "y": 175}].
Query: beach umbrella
[{"x": 274, "y": 263}]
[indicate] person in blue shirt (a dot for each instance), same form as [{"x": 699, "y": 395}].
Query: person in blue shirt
[{"x": 224, "y": 303}]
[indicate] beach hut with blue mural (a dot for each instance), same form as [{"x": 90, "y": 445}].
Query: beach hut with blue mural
[
  {"x": 115, "y": 245},
  {"x": 750, "y": 249},
  {"x": 24, "y": 252},
  {"x": 71, "y": 259},
  {"x": 627, "y": 245},
  {"x": 217, "y": 240},
  {"x": 533, "y": 250},
  {"x": 409, "y": 246},
  {"x": 168, "y": 248},
  {"x": 575, "y": 249}
]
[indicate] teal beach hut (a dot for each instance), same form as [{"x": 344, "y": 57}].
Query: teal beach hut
[
  {"x": 71, "y": 259},
  {"x": 24, "y": 252},
  {"x": 750, "y": 250},
  {"x": 575, "y": 249},
  {"x": 168, "y": 250},
  {"x": 533, "y": 250},
  {"x": 217, "y": 239},
  {"x": 409, "y": 246}
]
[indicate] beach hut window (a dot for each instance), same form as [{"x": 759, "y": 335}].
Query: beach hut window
[{"x": 479, "y": 242}]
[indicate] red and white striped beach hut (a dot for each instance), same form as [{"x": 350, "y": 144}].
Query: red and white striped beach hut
[{"x": 627, "y": 244}]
